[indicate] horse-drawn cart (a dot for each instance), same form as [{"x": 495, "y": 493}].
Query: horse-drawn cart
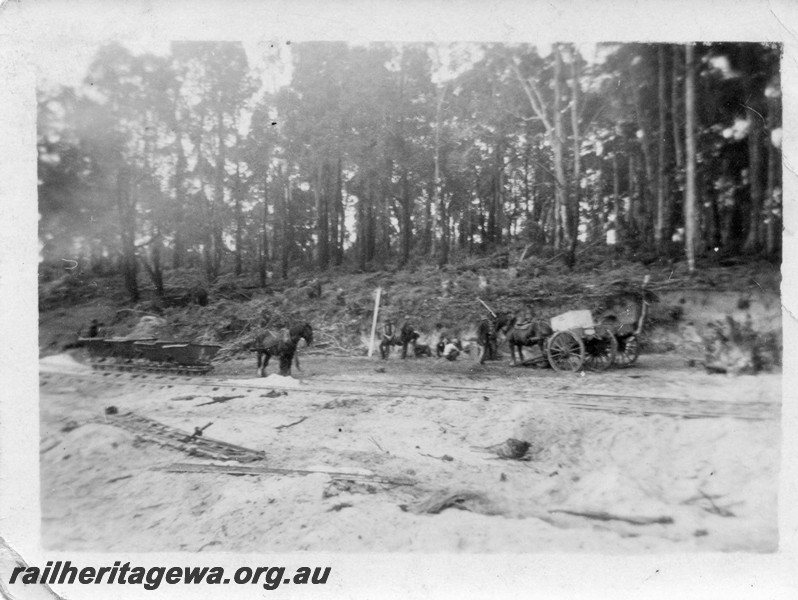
[
  {"x": 576, "y": 342},
  {"x": 628, "y": 344},
  {"x": 571, "y": 341}
]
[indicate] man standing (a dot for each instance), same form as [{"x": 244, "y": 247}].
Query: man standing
[
  {"x": 407, "y": 335},
  {"x": 94, "y": 328}
]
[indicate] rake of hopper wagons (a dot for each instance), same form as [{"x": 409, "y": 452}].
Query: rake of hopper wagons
[{"x": 151, "y": 355}]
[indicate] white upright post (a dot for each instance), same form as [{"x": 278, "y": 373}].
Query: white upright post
[{"x": 374, "y": 321}]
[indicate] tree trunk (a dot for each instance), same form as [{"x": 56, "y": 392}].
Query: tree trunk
[
  {"x": 616, "y": 199},
  {"x": 754, "y": 239},
  {"x": 155, "y": 270},
  {"x": 443, "y": 257},
  {"x": 677, "y": 134},
  {"x": 369, "y": 219},
  {"x": 498, "y": 196},
  {"x": 577, "y": 174},
  {"x": 263, "y": 255},
  {"x": 426, "y": 232},
  {"x": 598, "y": 218},
  {"x": 239, "y": 219},
  {"x": 631, "y": 213},
  {"x": 338, "y": 232},
  {"x": 676, "y": 198},
  {"x": 127, "y": 227},
  {"x": 659, "y": 229},
  {"x": 371, "y": 227},
  {"x": 562, "y": 234},
  {"x": 218, "y": 197},
  {"x": 407, "y": 218},
  {"x": 359, "y": 191},
  {"x": 714, "y": 222},
  {"x": 528, "y": 198},
  {"x": 322, "y": 223},
  {"x": 444, "y": 221},
  {"x": 646, "y": 225},
  {"x": 690, "y": 183},
  {"x": 771, "y": 218},
  {"x": 285, "y": 202},
  {"x": 180, "y": 203}
]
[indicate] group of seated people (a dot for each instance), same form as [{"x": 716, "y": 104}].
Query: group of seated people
[{"x": 448, "y": 346}]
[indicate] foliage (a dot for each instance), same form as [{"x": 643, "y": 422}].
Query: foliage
[{"x": 404, "y": 154}]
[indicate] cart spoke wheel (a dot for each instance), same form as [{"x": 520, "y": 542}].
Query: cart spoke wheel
[
  {"x": 566, "y": 351},
  {"x": 600, "y": 351},
  {"x": 628, "y": 351}
]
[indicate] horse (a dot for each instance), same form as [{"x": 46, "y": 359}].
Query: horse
[
  {"x": 267, "y": 345},
  {"x": 535, "y": 331}
]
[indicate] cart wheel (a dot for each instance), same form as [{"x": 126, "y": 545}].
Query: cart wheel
[
  {"x": 600, "y": 351},
  {"x": 628, "y": 351},
  {"x": 566, "y": 351}
]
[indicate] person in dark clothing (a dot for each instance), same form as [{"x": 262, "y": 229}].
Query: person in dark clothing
[
  {"x": 407, "y": 335},
  {"x": 444, "y": 335},
  {"x": 94, "y": 328}
]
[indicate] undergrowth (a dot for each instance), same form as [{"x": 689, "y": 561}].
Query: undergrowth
[{"x": 340, "y": 304}]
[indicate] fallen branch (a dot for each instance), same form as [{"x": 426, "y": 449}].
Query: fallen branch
[
  {"x": 445, "y": 457},
  {"x": 604, "y": 516},
  {"x": 244, "y": 470},
  {"x": 120, "y": 478},
  {"x": 702, "y": 495},
  {"x": 213, "y": 543},
  {"x": 523, "y": 254},
  {"x": 464, "y": 500},
  {"x": 50, "y": 447},
  {"x": 219, "y": 400},
  {"x": 718, "y": 510},
  {"x": 291, "y": 424},
  {"x": 331, "y": 341},
  {"x": 579, "y": 251},
  {"x": 133, "y": 310}
]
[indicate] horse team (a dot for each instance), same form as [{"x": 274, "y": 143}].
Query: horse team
[{"x": 517, "y": 332}]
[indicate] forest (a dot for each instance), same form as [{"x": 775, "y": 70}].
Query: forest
[{"x": 215, "y": 160}]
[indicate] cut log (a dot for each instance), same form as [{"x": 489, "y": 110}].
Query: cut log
[{"x": 604, "y": 516}]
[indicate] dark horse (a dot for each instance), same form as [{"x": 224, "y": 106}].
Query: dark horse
[
  {"x": 268, "y": 345},
  {"x": 533, "y": 332}
]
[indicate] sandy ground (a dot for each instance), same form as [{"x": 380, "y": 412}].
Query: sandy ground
[{"x": 695, "y": 455}]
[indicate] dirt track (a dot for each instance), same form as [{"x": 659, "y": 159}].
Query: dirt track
[{"x": 697, "y": 456}]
